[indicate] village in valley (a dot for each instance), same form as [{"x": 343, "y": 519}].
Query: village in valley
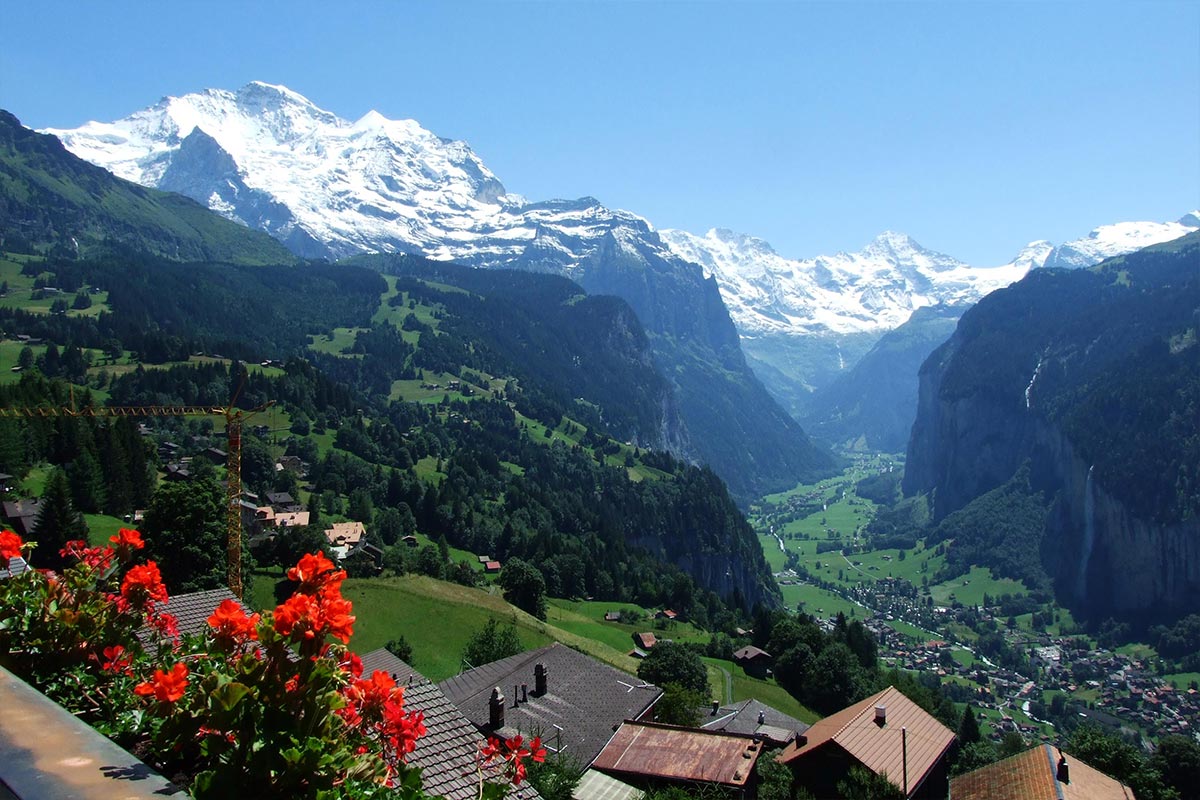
[{"x": 1026, "y": 679}]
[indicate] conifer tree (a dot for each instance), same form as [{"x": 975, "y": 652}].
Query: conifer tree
[
  {"x": 58, "y": 522},
  {"x": 968, "y": 728}
]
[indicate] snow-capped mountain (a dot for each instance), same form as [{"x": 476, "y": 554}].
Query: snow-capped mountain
[
  {"x": 875, "y": 289},
  {"x": 328, "y": 187},
  {"x": 1109, "y": 241}
]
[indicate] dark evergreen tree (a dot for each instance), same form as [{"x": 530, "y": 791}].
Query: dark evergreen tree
[
  {"x": 968, "y": 727},
  {"x": 57, "y": 522},
  {"x": 87, "y": 483}
]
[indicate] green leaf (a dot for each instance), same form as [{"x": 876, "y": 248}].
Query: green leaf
[{"x": 230, "y": 694}]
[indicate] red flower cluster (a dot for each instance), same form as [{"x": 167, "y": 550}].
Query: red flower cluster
[
  {"x": 318, "y": 608},
  {"x": 98, "y": 558},
  {"x": 143, "y": 586},
  {"x": 376, "y": 704},
  {"x": 10, "y": 546},
  {"x": 231, "y": 625},
  {"x": 167, "y": 687},
  {"x": 127, "y": 540},
  {"x": 514, "y": 752}
]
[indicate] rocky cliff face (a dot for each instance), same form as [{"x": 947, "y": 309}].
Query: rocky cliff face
[
  {"x": 1064, "y": 371},
  {"x": 1105, "y": 560}
]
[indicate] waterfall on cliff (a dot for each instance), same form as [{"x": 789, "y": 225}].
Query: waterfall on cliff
[{"x": 1089, "y": 535}]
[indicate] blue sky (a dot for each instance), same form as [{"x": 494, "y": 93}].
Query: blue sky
[{"x": 972, "y": 126}]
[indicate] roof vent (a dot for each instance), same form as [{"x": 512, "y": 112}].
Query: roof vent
[
  {"x": 762, "y": 717},
  {"x": 881, "y": 715},
  {"x": 716, "y": 705},
  {"x": 801, "y": 739}
]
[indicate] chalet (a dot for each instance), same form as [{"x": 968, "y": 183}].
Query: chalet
[
  {"x": 570, "y": 699},
  {"x": 667, "y": 614},
  {"x": 484, "y": 559},
  {"x": 282, "y": 501},
  {"x": 291, "y": 519},
  {"x": 612, "y": 616},
  {"x": 887, "y": 733},
  {"x": 22, "y": 514},
  {"x": 755, "y": 661},
  {"x": 345, "y": 537},
  {"x": 491, "y": 567},
  {"x": 754, "y": 718},
  {"x": 410, "y": 540},
  {"x": 649, "y": 755},
  {"x": 1041, "y": 772},
  {"x": 645, "y": 641},
  {"x": 6, "y": 481},
  {"x": 215, "y": 455},
  {"x": 293, "y": 464}
]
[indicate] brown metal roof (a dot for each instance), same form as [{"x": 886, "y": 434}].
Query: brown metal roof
[
  {"x": 1032, "y": 775},
  {"x": 682, "y": 754},
  {"x": 879, "y": 747}
]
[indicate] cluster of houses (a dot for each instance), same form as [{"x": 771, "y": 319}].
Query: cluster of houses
[{"x": 603, "y": 720}]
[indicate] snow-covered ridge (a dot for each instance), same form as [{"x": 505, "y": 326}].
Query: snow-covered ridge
[
  {"x": 875, "y": 289},
  {"x": 329, "y": 187},
  {"x": 878, "y": 288}
]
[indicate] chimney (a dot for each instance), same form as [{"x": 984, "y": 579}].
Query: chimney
[
  {"x": 539, "y": 679},
  {"x": 716, "y": 706},
  {"x": 762, "y": 717},
  {"x": 516, "y": 695},
  {"x": 1064, "y": 772},
  {"x": 524, "y": 692},
  {"x": 801, "y": 739},
  {"x": 881, "y": 715},
  {"x": 496, "y": 709}
]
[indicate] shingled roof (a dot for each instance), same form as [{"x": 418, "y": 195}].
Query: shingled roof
[
  {"x": 448, "y": 753},
  {"x": 192, "y": 610},
  {"x": 585, "y": 700},
  {"x": 743, "y": 717},
  {"x": 876, "y": 744},
  {"x": 1034, "y": 775}
]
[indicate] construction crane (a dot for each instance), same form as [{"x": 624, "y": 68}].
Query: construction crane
[{"x": 234, "y": 419}]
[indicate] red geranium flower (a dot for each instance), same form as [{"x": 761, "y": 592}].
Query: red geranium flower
[
  {"x": 167, "y": 687},
  {"x": 514, "y": 753},
  {"x": 10, "y": 545},
  {"x": 143, "y": 584},
  {"x": 115, "y": 660},
  {"x": 231, "y": 624},
  {"x": 129, "y": 538},
  {"x": 315, "y": 571}
]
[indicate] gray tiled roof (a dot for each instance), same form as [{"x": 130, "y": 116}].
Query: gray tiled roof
[
  {"x": 448, "y": 753},
  {"x": 585, "y": 700},
  {"x": 742, "y": 717},
  {"x": 193, "y": 609}
]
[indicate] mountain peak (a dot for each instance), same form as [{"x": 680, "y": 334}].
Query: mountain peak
[{"x": 893, "y": 242}]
